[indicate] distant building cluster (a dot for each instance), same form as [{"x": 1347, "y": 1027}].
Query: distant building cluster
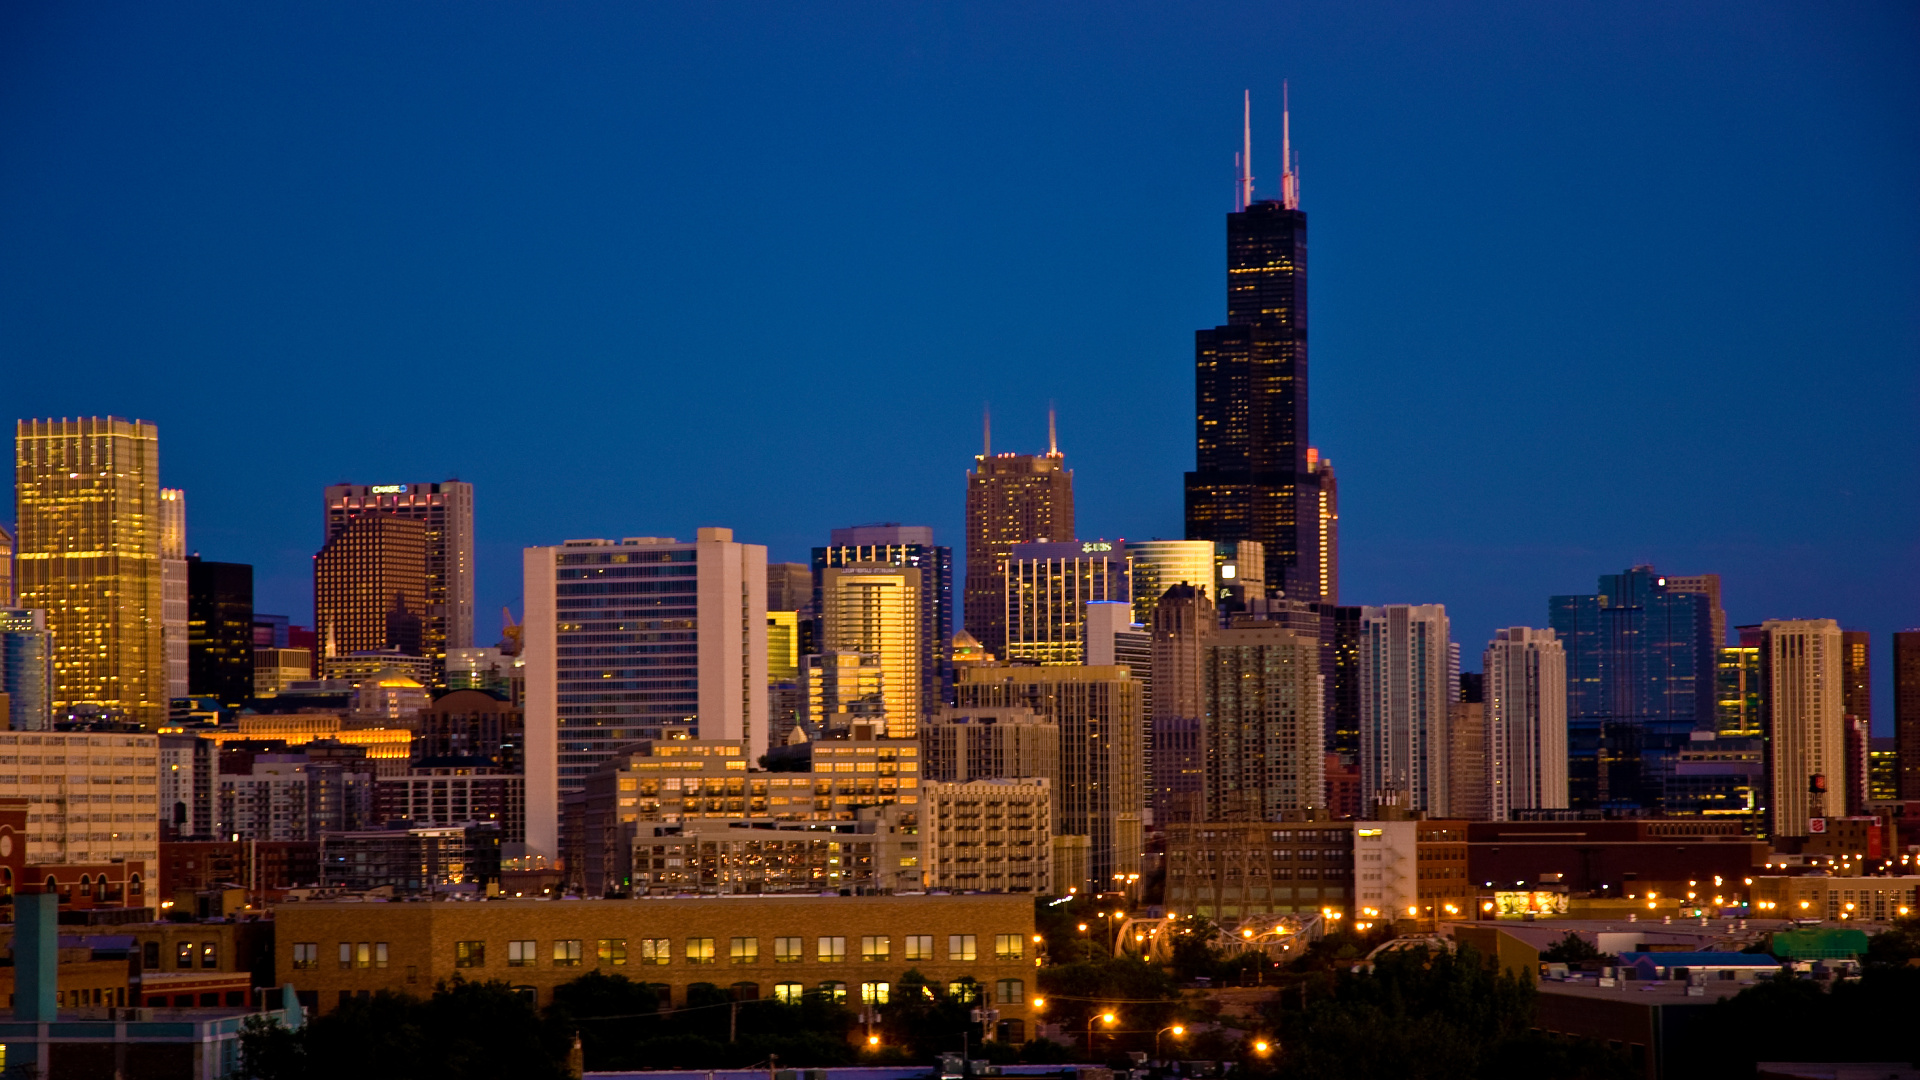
[{"x": 1198, "y": 724}]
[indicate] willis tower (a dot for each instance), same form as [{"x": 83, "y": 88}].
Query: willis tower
[{"x": 1252, "y": 480}]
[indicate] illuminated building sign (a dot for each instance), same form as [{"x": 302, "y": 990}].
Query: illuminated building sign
[
  {"x": 1530, "y": 902},
  {"x": 1093, "y": 545},
  {"x": 388, "y": 489}
]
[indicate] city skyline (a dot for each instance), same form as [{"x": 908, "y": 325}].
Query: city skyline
[{"x": 1530, "y": 524}]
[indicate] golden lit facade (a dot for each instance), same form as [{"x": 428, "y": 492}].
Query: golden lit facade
[
  {"x": 174, "y": 588},
  {"x": 446, "y": 511},
  {"x": 370, "y": 589},
  {"x": 1737, "y": 706},
  {"x": 783, "y": 646},
  {"x": 1329, "y": 496},
  {"x": 1048, "y": 587},
  {"x": 699, "y": 779},
  {"x": 1011, "y": 499},
  {"x": 1159, "y": 565},
  {"x": 874, "y": 610},
  {"x": 88, "y": 495},
  {"x": 388, "y": 749},
  {"x": 842, "y": 688}
]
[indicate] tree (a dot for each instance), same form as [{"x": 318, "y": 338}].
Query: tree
[
  {"x": 611, "y": 1013},
  {"x": 1574, "y": 949},
  {"x": 465, "y": 1031}
]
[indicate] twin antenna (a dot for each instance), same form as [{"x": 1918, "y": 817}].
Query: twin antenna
[
  {"x": 986, "y": 432},
  {"x": 1289, "y": 161}
]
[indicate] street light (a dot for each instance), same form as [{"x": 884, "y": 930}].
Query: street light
[
  {"x": 1178, "y": 1030},
  {"x": 1261, "y": 1046},
  {"x": 1106, "y": 1018}
]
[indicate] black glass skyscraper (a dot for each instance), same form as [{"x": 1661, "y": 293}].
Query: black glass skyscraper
[
  {"x": 1251, "y": 480},
  {"x": 1641, "y": 678}
]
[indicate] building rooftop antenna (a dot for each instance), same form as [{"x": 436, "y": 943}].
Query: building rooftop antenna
[
  {"x": 1053, "y": 434},
  {"x": 986, "y": 431},
  {"x": 1243, "y": 192},
  {"x": 1289, "y": 173}
]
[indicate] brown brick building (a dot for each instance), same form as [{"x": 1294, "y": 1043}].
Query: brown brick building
[{"x": 856, "y": 947}]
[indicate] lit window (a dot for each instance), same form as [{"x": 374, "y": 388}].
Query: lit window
[
  {"x": 789, "y": 993},
  {"x": 469, "y": 954},
  {"x": 788, "y": 950},
  {"x": 919, "y": 946},
  {"x": 744, "y": 950},
  {"x": 960, "y": 947},
  {"x": 832, "y": 950},
  {"x": 700, "y": 950},
  {"x": 1008, "y": 946},
  {"x": 613, "y": 952},
  {"x": 875, "y": 948},
  {"x": 656, "y": 950},
  {"x": 522, "y": 953},
  {"x": 567, "y": 953},
  {"x": 834, "y": 991}
]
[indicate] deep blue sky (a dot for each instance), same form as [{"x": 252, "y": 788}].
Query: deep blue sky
[{"x": 1592, "y": 284}]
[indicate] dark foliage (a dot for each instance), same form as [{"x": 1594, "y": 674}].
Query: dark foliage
[
  {"x": 465, "y": 1031},
  {"x": 1574, "y": 949},
  {"x": 1788, "y": 1019}
]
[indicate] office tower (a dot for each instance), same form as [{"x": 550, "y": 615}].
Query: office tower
[
  {"x": 789, "y": 586},
  {"x": 785, "y": 704},
  {"x": 67, "y": 829},
  {"x": 1406, "y": 682},
  {"x": 1344, "y": 708},
  {"x": 1883, "y": 769},
  {"x": 638, "y": 639},
  {"x": 370, "y": 591},
  {"x": 1525, "y": 691},
  {"x": 446, "y": 509},
  {"x": 26, "y": 669},
  {"x": 88, "y": 494},
  {"x": 1239, "y": 575},
  {"x": 220, "y": 631},
  {"x": 1801, "y": 667},
  {"x": 1311, "y": 619},
  {"x": 173, "y": 588},
  {"x": 272, "y": 631},
  {"x": 874, "y": 610},
  {"x": 1250, "y": 478},
  {"x": 1048, "y": 587},
  {"x": 1858, "y": 744},
  {"x": 1327, "y": 490},
  {"x": 1641, "y": 675},
  {"x": 1098, "y": 713},
  {"x": 1906, "y": 709},
  {"x": 1158, "y": 565},
  {"x": 1112, "y": 637},
  {"x": 1182, "y": 622},
  {"x": 841, "y": 689},
  {"x": 275, "y": 670},
  {"x": 1468, "y": 783},
  {"x": 1264, "y": 736},
  {"x": 1707, "y": 585},
  {"x": 6, "y": 567},
  {"x": 1011, "y": 499},
  {"x": 901, "y": 548},
  {"x": 989, "y": 744},
  {"x": 1857, "y": 672},
  {"x": 1737, "y": 697}
]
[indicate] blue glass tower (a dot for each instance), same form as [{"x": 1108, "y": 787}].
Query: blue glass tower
[
  {"x": 26, "y": 669},
  {"x": 1640, "y": 680}
]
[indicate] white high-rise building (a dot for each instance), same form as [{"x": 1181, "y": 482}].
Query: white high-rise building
[
  {"x": 641, "y": 638},
  {"x": 173, "y": 587},
  {"x": 1803, "y": 688},
  {"x": 1526, "y": 710},
  {"x": 1406, "y": 682}
]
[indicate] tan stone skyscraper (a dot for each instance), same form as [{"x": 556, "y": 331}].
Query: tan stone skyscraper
[
  {"x": 88, "y": 494},
  {"x": 875, "y": 608},
  {"x": 1801, "y": 676},
  {"x": 1011, "y": 499},
  {"x": 370, "y": 589}
]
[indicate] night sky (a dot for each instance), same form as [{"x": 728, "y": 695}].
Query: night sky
[{"x": 1592, "y": 284}]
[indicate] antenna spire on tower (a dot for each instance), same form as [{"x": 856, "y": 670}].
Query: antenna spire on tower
[
  {"x": 986, "y": 431},
  {"x": 1243, "y": 195},
  {"x": 1053, "y": 434},
  {"x": 1289, "y": 173}
]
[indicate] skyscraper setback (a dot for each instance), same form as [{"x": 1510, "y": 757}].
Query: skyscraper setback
[
  {"x": 1011, "y": 499},
  {"x": 1251, "y": 479}
]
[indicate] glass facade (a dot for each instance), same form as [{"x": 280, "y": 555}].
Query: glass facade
[
  {"x": 1048, "y": 589},
  {"x": 935, "y": 564},
  {"x": 627, "y": 645},
  {"x": 26, "y": 669},
  {"x": 1641, "y": 678},
  {"x": 1251, "y": 479}
]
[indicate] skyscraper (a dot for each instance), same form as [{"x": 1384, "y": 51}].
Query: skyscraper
[
  {"x": 173, "y": 588},
  {"x": 1098, "y": 713},
  {"x": 1406, "y": 684},
  {"x": 1251, "y": 480},
  {"x": 789, "y": 586},
  {"x": 1707, "y": 585},
  {"x": 1327, "y": 489},
  {"x": 1641, "y": 678},
  {"x": 1806, "y": 736},
  {"x": 1264, "y": 735},
  {"x": 370, "y": 589},
  {"x": 1048, "y": 587},
  {"x": 26, "y": 669},
  {"x": 904, "y": 547},
  {"x": 875, "y": 608},
  {"x": 88, "y": 495},
  {"x": 1526, "y": 714},
  {"x": 220, "y": 631},
  {"x": 1158, "y": 565},
  {"x": 1182, "y": 622},
  {"x": 645, "y": 638},
  {"x": 1856, "y": 670},
  {"x": 1239, "y": 575},
  {"x": 446, "y": 509},
  {"x": 1011, "y": 499},
  {"x": 1906, "y": 710},
  {"x": 6, "y": 567}
]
